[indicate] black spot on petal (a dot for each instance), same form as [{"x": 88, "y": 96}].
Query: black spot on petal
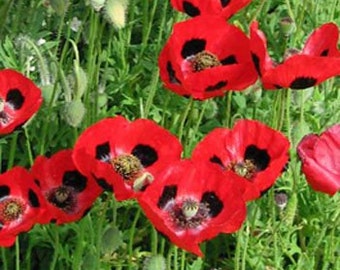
[
  {"x": 324, "y": 52},
  {"x": 33, "y": 198},
  {"x": 217, "y": 86},
  {"x": 224, "y": 3},
  {"x": 75, "y": 179},
  {"x": 217, "y": 160},
  {"x": 53, "y": 220},
  {"x": 146, "y": 154},
  {"x": 15, "y": 98},
  {"x": 190, "y": 9},
  {"x": 4, "y": 191},
  {"x": 231, "y": 59},
  {"x": 259, "y": 157},
  {"x": 214, "y": 204},
  {"x": 102, "y": 151},
  {"x": 192, "y": 47},
  {"x": 172, "y": 73},
  {"x": 303, "y": 82},
  {"x": 103, "y": 183},
  {"x": 86, "y": 212},
  {"x": 169, "y": 193},
  {"x": 256, "y": 61},
  {"x": 37, "y": 182}
]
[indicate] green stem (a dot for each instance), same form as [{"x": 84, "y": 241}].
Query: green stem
[
  {"x": 152, "y": 93},
  {"x": 56, "y": 248},
  {"x": 184, "y": 118},
  {"x": 29, "y": 149},
  {"x": 154, "y": 241},
  {"x": 131, "y": 237},
  {"x": 238, "y": 249},
  {"x": 227, "y": 122},
  {"x": 17, "y": 253},
  {"x": 12, "y": 150},
  {"x": 4, "y": 258},
  {"x": 183, "y": 256}
]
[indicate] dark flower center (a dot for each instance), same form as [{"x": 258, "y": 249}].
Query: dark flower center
[
  {"x": 189, "y": 214},
  {"x": 63, "y": 197},
  {"x": 204, "y": 60},
  {"x": 4, "y": 117},
  {"x": 11, "y": 209},
  {"x": 246, "y": 169}
]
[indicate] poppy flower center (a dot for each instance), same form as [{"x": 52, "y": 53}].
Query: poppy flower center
[
  {"x": 11, "y": 209},
  {"x": 246, "y": 169},
  {"x": 204, "y": 60},
  {"x": 128, "y": 166},
  {"x": 4, "y": 117},
  {"x": 189, "y": 214},
  {"x": 63, "y": 197}
]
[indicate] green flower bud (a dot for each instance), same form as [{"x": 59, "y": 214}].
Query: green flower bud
[
  {"x": 74, "y": 112},
  {"x": 115, "y": 11},
  {"x": 287, "y": 26},
  {"x": 156, "y": 262}
]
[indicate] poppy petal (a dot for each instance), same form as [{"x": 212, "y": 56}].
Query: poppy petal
[
  {"x": 320, "y": 157},
  {"x": 301, "y": 71},
  {"x": 323, "y": 41},
  {"x": 20, "y": 98}
]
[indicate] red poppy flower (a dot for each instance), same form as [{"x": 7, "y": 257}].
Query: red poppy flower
[
  {"x": 20, "y": 98},
  {"x": 204, "y": 57},
  {"x": 320, "y": 157},
  {"x": 191, "y": 202},
  {"x": 68, "y": 193},
  {"x": 226, "y": 8},
  {"x": 125, "y": 156},
  {"x": 318, "y": 61},
  {"x": 251, "y": 149},
  {"x": 21, "y": 204}
]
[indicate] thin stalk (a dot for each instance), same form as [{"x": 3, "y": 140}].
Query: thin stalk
[
  {"x": 4, "y": 259},
  {"x": 28, "y": 145},
  {"x": 154, "y": 241},
  {"x": 183, "y": 257},
  {"x": 56, "y": 248},
  {"x": 152, "y": 93},
  {"x": 17, "y": 253},
  {"x": 12, "y": 150},
  {"x": 227, "y": 122},
  {"x": 238, "y": 249},
  {"x": 184, "y": 118},
  {"x": 131, "y": 237}
]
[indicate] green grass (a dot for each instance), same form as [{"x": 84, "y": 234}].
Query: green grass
[{"x": 122, "y": 78}]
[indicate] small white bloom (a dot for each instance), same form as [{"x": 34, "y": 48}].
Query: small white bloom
[{"x": 75, "y": 24}]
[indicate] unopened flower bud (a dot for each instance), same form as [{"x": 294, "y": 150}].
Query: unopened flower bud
[
  {"x": 116, "y": 12},
  {"x": 97, "y": 4},
  {"x": 74, "y": 112},
  {"x": 281, "y": 200},
  {"x": 59, "y": 6},
  {"x": 287, "y": 26}
]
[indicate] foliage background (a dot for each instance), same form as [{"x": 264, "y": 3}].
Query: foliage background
[{"x": 107, "y": 71}]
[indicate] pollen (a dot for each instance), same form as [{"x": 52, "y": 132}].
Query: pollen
[
  {"x": 246, "y": 169},
  {"x": 11, "y": 209},
  {"x": 128, "y": 166},
  {"x": 204, "y": 60}
]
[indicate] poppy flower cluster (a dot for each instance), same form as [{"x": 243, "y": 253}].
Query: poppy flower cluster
[
  {"x": 320, "y": 157},
  {"x": 206, "y": 56}
]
